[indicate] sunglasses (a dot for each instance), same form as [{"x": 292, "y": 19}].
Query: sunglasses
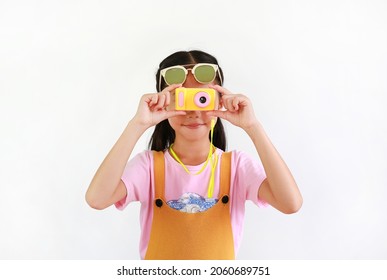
[{"x": 204, "y": 73}]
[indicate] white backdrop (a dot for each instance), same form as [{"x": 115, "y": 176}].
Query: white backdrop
[{"x": 72, "y": 73}]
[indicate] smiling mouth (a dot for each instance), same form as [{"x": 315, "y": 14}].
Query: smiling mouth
[{"x": 193, "y": 125}]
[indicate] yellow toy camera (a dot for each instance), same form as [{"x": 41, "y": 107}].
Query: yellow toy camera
[{"x": 195, "y": 99}]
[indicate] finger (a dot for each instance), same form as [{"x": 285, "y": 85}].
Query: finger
[
  {"x": 160, "y": 102},
  {"x": 167, "y": 98},
  {"x": 219, "y": 114},
  {"x": 172, "y": 87},
  {"x": 168, "y": 91},
  {"x": 228, "y": 103},
  {"x": 152, "y": 99},
  {"x": 235, "y": 103},
  {"x": 223, "y": 91}
]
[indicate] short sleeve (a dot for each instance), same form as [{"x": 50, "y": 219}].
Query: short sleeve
[
  {"x": 249, "y": 175},
  {"x": 137, "y": 179}
]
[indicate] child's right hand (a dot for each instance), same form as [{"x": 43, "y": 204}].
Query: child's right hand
[{"x": 152, "y": 107}]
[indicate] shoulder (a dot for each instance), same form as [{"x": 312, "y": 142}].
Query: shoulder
[
  {"x": 144, "y": 158},
  {"x": 244, "y": 164},
  {"x": 240, "y": 157}
]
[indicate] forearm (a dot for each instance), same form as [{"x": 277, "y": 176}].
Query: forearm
[
  {"x": 108, "y": 175},
  {"x": 282, "y": 186}
]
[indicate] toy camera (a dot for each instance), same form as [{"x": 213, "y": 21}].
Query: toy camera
[{"x": 195, "y": 99}]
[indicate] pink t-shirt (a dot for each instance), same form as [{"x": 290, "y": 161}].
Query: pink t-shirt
[{"x": 247, "y": 176}]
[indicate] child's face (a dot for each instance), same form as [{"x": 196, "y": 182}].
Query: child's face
[{"x": 194, "y": 124}]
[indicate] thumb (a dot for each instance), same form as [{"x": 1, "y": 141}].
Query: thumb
[{"x": 219, "y": 114}]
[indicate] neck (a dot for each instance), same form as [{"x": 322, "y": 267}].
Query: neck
[{"x": 191, "y": 153}]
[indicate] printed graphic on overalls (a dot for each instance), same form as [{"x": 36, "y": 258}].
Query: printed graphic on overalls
[{"x": 192, "y": 203}]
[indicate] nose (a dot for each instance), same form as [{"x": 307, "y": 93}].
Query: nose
[
  {"x": 192, "y": 114},
  {"x": 191, "y": 82}
]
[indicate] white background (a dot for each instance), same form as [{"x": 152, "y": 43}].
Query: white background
[{"x": 72, "y": 73}]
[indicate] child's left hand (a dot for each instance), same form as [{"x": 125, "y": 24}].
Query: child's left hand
[{"x": 239, "y": 110}]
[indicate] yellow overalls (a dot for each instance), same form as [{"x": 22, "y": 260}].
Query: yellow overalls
[{"x": 178, "y": 235}]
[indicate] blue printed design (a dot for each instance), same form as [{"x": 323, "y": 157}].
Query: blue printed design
[{"x": 192, "y": 203}]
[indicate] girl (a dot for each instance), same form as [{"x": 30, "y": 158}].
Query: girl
[{"x": 192, "y": 193}]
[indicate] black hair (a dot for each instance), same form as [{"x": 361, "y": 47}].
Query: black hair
[{"x": 164, "y": 135}]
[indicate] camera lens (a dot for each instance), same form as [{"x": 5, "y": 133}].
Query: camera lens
[{"x": 202, "y": 99}]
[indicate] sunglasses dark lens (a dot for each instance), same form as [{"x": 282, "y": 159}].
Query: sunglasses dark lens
[
  {"x": 205, "y": 74},
  {"x": 174, "y": 76}
]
